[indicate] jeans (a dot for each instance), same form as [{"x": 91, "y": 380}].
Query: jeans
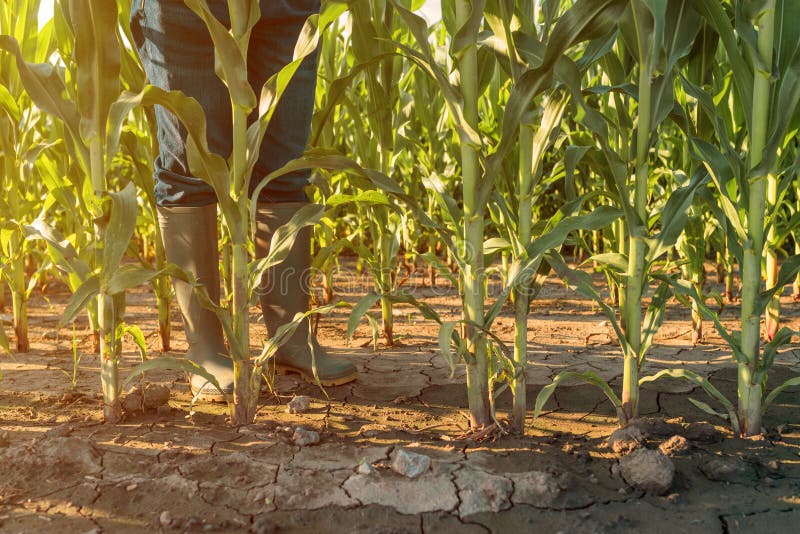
[{"x": 177, "y": 54}]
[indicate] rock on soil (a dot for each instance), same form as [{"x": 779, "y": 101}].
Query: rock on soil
[
  {"x": 299, "y": 404},
  {"x": 145, "y": 398},
  {"x": 365, "y": 468},
  {"x": 480, "y": 491},
  {"x": 674, "y": 445},
  {"x": 647, "y": 470},
  {"x": 410, "y": 464},
  {"x": 626, "y": 439},
  {"x": 428, "y": 493},
  {"x": 535, "y": 488},
  {"x": 727, "y": 470},
  {"x": 303, "y": 437}
]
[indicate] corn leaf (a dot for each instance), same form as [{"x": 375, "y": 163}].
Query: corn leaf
[
  {"x": 362, "y": 306},
  {"x": 701, "y": 381},
  {"x": 119, "y": 231},
  {"x": 586, "y": 376},
  {"x": 97, "y": 55},
  {"x": 80, "y": 299}
]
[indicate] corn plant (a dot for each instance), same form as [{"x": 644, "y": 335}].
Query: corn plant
[
  {"x": 92, "y": 135},
  {"x": 21, "y": 140},
  {"x": 464, "y": 229},
  {"x": 751, "y": 184},
  {"x": 656, "y": 35}
]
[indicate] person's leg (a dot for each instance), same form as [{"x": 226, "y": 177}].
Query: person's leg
[
  {"x": 285, "y": 288},
  {"x": 271, "y": 47},
  {"x": 177, "y": 54}
]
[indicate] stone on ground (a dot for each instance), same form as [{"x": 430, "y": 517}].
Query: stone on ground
[
  {"x": 299, "y": 404},
  {"x": 674, "y": 445},
  {"x": 647, "y": 470},
  {"x": 727, "y": 470},
  {"x": 303, "y": 437},
  {"x": 410, "y": 464},
  {"x": 145, "y": 398}
]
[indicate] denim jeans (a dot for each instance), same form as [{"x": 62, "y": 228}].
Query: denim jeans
[{"x": 177, "y": 54}]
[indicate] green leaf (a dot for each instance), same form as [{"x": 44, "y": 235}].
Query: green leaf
[
  {"x": 229, "y": 62},
  {"x": 361, "y": 307},
  {"x": 46, "y": 89},
  {"x": 701, "y": 381},
  {"x": 285, "y": 331},
  {"x": 136, "y": 335},
  {"x": 786, "y": 275},
  {"x": 117, "y": 234},
  {"x": 97, "y": 55},
  {"x": 522, "y": 269},
  {"x": 587, "y": 376},
  {"x": 777, "y": 391},
  {"x": 369, "y": 197},
  {"x": 674, "y": 216},
  {"x": 128, "y": 276},
  {"x": 495, "y": 244},
  {"x": 80, "y": 299},
  {"x": 173, "y": 364},
  {"x": 446, "y": 335},
  {"x": 618, "y": 262},
  {"x": 653, "y": 318},
  {"x": 283, "y": 239},
  {"x": 705, "y": 407}
]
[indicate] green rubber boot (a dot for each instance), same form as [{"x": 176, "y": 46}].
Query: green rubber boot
[
  {"x": 190, "y": 242},
  {"x": 284, "y": 292}
]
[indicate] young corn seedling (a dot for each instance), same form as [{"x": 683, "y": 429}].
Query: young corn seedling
[{"x": 657, "y": 35}]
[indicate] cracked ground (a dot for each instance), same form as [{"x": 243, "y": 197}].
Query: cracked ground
[{"x": 184, "y": 469}]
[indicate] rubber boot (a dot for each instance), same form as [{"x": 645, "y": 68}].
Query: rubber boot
[
  {"x": 284, "y": 292},
  {"x": 190, "y": 242}
]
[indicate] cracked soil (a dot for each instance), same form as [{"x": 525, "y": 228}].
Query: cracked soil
[{"x": 184, "y": 469}]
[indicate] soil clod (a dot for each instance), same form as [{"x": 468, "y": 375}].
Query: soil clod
[
  {"x": 674, "y": 446},
  {"x": 299, "y": 404},
  {"x": 627, "y": 439},
  {"x": 303, "y": 437},
  {"x": 648, "y": 470},
  {"x": 145, "y": 398}
]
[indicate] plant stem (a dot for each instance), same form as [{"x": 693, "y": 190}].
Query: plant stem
[
  {"x": 636, "y": 276},
  {"x": 106, "y": 316},
  {"x": 521, "y": 294},
  {"x": 244, "y": 399},
  {"x": 749, "y": 393},
  {"x": 473, "y": 274},
  {"x": 19, "y": 306}
]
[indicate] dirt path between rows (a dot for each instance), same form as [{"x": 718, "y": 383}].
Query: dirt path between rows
[{"x": 183, "y": 469}]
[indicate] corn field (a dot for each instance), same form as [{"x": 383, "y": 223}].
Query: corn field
[{"x": 643, "y": 153}]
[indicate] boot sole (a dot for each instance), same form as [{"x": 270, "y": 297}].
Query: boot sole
[
  {"x": 217, "y": 398},
  {"x": 329, "y": 382}
]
